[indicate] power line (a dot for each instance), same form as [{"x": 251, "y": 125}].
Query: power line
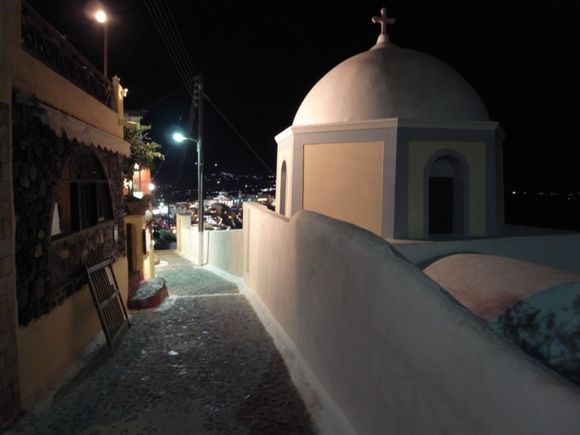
[
  {"x": 166, "y": 27},
  {"x": 160, "y": 99},
  {"x": 210, "y": 101},
  {"x": 171, "y": 41}
]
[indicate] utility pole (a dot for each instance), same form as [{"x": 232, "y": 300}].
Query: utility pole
[
  {"x": 197, "y": 103},
  {"x": 198, "y": 100}
]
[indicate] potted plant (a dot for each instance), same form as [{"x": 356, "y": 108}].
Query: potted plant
[
  {"x": 135, "y": 205},
  {"x": 143, "y": 154}
]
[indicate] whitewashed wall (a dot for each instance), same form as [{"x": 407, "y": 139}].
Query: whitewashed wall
[
  {"x": 560, "y": 251},
  {"x": 395, "y": 353},
  {"x": 222, "y": 249}
]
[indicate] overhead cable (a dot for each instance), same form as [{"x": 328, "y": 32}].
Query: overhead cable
[{"x": 210, "y": 101}]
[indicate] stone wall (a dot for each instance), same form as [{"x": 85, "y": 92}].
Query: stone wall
[
  {"x": 49, "y": 270},
  {"x": 9, "y": 392}
]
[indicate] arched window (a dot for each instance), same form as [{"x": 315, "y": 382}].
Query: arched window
[
  {"x": 446, "y": 180},
  {"x": 283, "y": 189},
  {"x": 83, "y": 198}
]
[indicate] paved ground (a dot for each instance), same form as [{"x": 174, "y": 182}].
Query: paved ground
[{"x": 202, "y": 363}]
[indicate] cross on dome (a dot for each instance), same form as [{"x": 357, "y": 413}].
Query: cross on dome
[{"x": 383, "y": 20}]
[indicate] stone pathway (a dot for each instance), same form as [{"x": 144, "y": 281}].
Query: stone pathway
[{"x": 202, "y": 363}]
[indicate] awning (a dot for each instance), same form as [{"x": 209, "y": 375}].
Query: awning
[{"x": 62, "y": 123}]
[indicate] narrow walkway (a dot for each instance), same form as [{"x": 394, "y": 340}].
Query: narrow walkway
[{"x": 201, "y": 363}]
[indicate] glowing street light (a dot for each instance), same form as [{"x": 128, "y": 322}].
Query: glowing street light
[
  {"x": 102, "y": 18},
  {"x": 180, "y": 138}
]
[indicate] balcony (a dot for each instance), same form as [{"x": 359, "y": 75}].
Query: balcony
[{"x": 46, "y": 44}]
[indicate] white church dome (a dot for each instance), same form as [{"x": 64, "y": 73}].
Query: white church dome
[{"x": 390, "y": 82}]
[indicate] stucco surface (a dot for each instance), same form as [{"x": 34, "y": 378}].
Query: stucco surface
[
  {"x": 558, "y": 250},
  {"x": 390, "y": 82},
  {"x": 419, "y": 154},
  {"x": 488, "y": 284},
  {"x": 394, "y": 351},
  {"x": 345, "y": 180},
  {"x": 221, "y": 249},
  {"x": 51, "y": 344}
]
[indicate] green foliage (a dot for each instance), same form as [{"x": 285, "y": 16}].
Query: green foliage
[{"x": 143, "y": 152}]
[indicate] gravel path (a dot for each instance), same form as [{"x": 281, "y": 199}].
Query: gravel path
[{"x": 202, "y": 363}]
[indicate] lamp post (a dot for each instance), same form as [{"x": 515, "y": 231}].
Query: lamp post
[
  {"x": 179, "y": 138},
  {"x": 101, "y": 17}
]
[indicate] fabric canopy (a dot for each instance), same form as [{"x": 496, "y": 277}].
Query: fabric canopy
[{"x": 62, "y": 123}]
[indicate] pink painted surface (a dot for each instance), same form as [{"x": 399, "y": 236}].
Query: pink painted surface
[{"x": 487, "y": 285}]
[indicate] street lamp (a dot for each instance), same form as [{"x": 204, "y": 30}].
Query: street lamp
[
  {"x": 180, "y": 138},
  {"x": 101, "y": 17}
]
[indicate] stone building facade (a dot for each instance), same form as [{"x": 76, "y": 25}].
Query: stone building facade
[
  {"x": 61, "y": 146},
  {"x": 9, "y": 391}
]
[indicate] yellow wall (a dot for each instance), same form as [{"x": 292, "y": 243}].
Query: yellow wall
[
  {"x": 49, "y": 346},
  {"x": 32, "y": 76},
  {"x": 142, "y": 262},
  {"x": 419, "y": 153},
  {"x": 345, "y": 181}
]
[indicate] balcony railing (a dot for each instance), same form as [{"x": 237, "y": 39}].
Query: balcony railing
[{"x": 46, "y": 44}]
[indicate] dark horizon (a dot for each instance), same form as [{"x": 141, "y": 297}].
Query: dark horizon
[{"x": 519, "y": 59}]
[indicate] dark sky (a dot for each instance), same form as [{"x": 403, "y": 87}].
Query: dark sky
[{"x": 261, "y": 59}]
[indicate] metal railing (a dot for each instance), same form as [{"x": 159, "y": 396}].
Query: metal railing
[{"x": 47, "y": 45}]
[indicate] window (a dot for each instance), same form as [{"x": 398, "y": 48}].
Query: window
[{"x": 83, "y": 198}]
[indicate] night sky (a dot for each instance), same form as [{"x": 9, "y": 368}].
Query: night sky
[{"x": 260, "y": 60}]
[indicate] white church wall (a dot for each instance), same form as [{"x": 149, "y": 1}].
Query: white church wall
[
  {"x": 559, "y": 251},
  {"x": 222, "y": 249},
  {"x": 392, "y": 349},
  {"x": 285, "y": 154}
]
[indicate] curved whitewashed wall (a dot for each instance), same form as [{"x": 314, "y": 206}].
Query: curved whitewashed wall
[
  {"x": 222, "y": 249},
  {"x": 559, "y": 251},
  {"x": 394, "y": 351}
]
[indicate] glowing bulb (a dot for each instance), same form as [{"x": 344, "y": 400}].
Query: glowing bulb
[
  {"x": 178, "y": 137},
  {"x": 101, "y": 16}
]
